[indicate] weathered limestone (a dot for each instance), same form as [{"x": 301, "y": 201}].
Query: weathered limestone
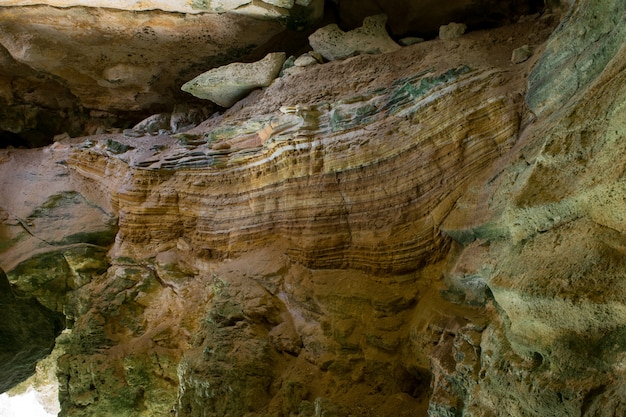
[
  {"x": 228, "y": 84},
  {"x": 82, "y": 67},
  {"x": 371, "y": 38},
  {"x": 108, "y": 67},
  {"x": 307, "y": 59},
  {"x": 268, "y": 139}
]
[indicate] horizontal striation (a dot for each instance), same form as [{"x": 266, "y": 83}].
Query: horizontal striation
[{"x": 363, "y": 182}]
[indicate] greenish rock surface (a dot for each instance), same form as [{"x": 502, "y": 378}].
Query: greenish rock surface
[
  {"x": 586, "y": 41},
  {"x": 58, "y": 248},
  {"x": 27, "y": 333}
]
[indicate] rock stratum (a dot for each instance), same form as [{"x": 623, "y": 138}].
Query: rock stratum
[{"x": 431, "y": 231}]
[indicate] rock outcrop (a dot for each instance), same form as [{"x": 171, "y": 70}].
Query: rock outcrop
[
  {"x": 83, "y": 67},
  {"x": 426, "y": 231}
]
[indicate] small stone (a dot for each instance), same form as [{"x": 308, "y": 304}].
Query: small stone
[
  {"x": 521, "y": 54},
  {"x": 452, "y": 30},
  {"x": 285, "y": 4},
  {"x": 317, "y": 56},
  {"x": 60, "y": 137},
  {"x": 116, "y": 147},
  {"x": 130, "y": 133},
  {"x": 153, "y": 124},
  {"x": 228, "y": 84},
  {"x": 289, "y": 63},
  {"x": 305, "y": 60},
  {"x": 410, "y": 41},
  {"x": 371, "y": 38}
]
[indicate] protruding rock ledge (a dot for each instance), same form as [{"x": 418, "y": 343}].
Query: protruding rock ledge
[
  {"x": 371, "y": 38},
  {"x": 228, "y": 84}
]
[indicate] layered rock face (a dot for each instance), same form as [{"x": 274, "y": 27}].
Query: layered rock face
[{"x": 431, "y": 231}]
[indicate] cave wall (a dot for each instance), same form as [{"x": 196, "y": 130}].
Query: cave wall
[{"x": 432, "y": 231}]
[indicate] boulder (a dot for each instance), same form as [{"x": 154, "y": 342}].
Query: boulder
[
  {"x": 521, "y": 54},
  {"x": 305, "y": 60},
  {"x": 371, "y": 38},
  {"x": 411, "y": 40},
  {"x": 452, "y": 30},
  {"x": 228, "y": 84}
]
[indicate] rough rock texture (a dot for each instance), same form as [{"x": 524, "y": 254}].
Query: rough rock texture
[
  {"x": 422, "y": 232},
  {"x": 109, "y": 68},
  {"x": 548, "y": 232},
  {"x": 84, "y": 67}
]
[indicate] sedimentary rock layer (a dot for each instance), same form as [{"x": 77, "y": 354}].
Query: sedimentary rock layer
[{"x": 310, "y": 174}]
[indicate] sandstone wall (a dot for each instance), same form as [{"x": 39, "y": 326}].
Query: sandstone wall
[{"x": 433, "y": 231}]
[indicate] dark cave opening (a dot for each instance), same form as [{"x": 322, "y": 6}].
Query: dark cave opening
[
  {"x": 423, "y": 19},
  {"x": 13, "y": 140}
]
